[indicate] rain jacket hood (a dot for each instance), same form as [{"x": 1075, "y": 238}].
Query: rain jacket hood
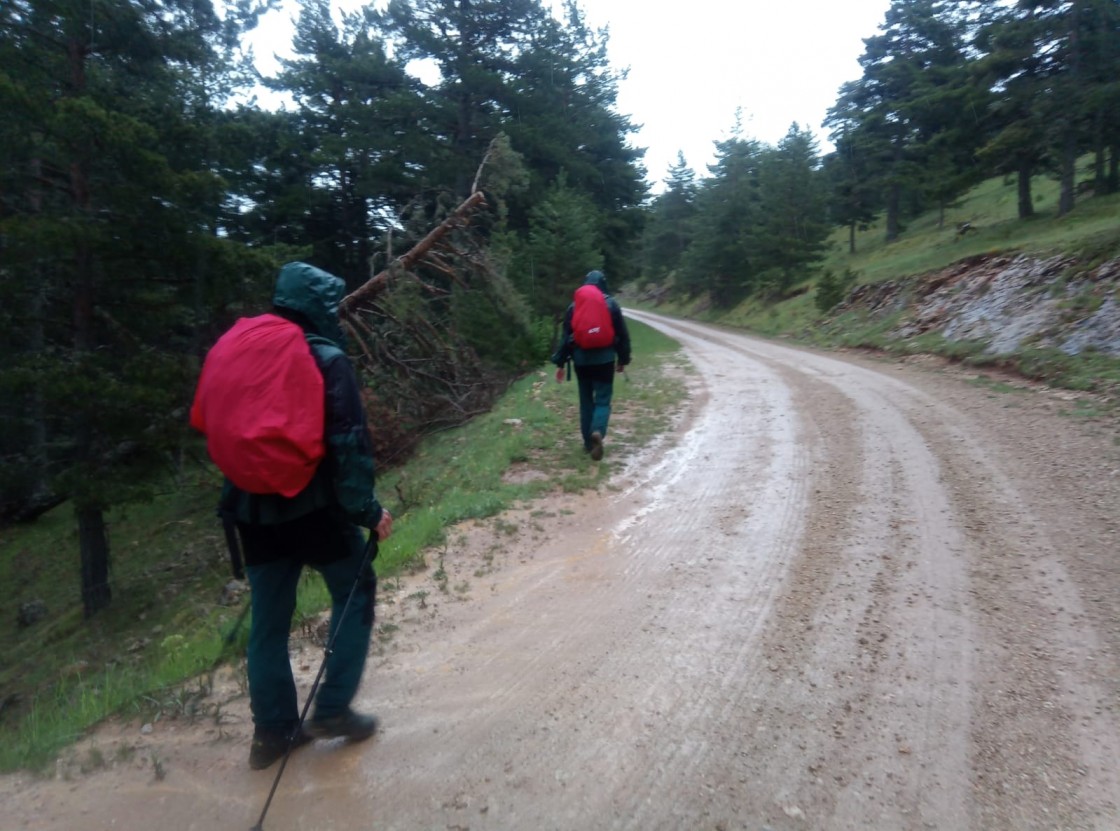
[
  {"x": 313, "y": 293},
  {"x": 597, "y": 279}
]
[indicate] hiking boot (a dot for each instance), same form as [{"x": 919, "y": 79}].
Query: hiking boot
[
  {"x": 349, "y": 725},
  {"x": 270, "y": 745},
  {"x": 596, "y": 449}
]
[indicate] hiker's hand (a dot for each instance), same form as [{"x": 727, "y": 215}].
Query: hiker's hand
[
  {"x": 622, "y": 367},
  {"x": 385, "y": 526},
  {"x": 559, "y": 374}
]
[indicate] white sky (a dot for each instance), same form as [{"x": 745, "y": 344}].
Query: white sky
[{"x": 693, "y": 63}]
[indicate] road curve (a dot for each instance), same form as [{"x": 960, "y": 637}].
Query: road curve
[{"x": 846, "y": 594}]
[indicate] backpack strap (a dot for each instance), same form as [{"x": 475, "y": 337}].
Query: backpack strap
[
  {"x": 229, "y": 525},
  {"x": 322, "y": 349},
  {"x": 237, "y": 565}
]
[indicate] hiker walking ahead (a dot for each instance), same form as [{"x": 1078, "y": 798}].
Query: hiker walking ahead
[
  {"x": 595, "y": 339},
  {"x": 316, "y": 524}
]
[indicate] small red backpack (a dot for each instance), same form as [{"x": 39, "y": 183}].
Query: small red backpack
[
  {"x": 260, "y": 405},
  {"x": 591, "y": 319}
]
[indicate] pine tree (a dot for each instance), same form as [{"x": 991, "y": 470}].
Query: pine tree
[
  {"x": 107, "y": 229},
  {"x": 352, "y": 172},
  {"x": 1009, "y": 65},
  {"x": 1051, "y": 66},
  {"x": 563, "y": 245},
  {"x": 722, "y": 258},
  {"x": 904, "y": 98},
  {"x": 475, "y": 46},
  {"x": 668, "y": 230},
  {"x": 1101, "y": 44},
  {"x": 512, "y": 68},
  {"x": 853, "y": 194},
  {"x": 562, "y": 114},
  {"x": 793, "y": 224}
]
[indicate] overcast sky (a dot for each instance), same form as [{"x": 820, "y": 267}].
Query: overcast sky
[{"x": 693, "y": 62}]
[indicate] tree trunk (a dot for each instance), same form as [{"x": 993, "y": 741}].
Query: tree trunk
[
  {"x": 1026, "y": 201},
  {"x": 1069, "y": 172},
  {"x": 1069, "y": 138},
  {"x": 1100, "y": 182},
  {"x": 94, "y": 545},
  {"x": 92, "y": 540},
  {"x": 894, "y": 191},
  {"x": 376, "y": 284},
  {"x": 852, "y": 237},
  {"x": 894, "y": 199},
  {"x": 37, "y": 452},
  {"x": 1113, "y": 168}
]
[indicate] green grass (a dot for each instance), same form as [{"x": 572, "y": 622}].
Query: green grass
[
  {"x": 1002, "y": 387},
  {"x": 149, "y": 654},
  {"x": 1086, "y": 372},
  {"x": 1091, "y": 230}
]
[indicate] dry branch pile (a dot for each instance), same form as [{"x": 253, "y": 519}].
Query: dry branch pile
[{"x": 420, "y": 326}]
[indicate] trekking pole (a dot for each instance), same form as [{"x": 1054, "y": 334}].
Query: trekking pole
[
  {"x": 231, "y": 636},
  {"x": 315, "y": 686}
]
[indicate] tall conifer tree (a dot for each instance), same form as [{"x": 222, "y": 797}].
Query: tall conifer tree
[{"x": 107, "y": 221}]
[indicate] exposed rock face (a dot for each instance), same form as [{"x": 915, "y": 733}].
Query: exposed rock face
[{"x": 1008, "y": 302}]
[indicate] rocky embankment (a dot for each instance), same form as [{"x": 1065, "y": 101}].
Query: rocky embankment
[{"x": 1007, "y": 302}]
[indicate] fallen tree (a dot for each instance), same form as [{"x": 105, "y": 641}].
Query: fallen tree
[{"x": 440, "y": 331}]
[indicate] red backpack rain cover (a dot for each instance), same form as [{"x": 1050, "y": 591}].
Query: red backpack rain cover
[
  {"x": 591, "y": 319},
  {"x": 259, "y": 403}
]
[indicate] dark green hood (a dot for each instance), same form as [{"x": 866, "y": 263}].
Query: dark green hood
[
  {"x": 313, "y": 293},
  {"x": 598, "y": 279}
]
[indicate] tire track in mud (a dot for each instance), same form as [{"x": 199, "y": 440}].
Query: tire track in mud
[
  {"x": 835, "y": 709},
  {"x": 1031, "y": 762},
  {"x": 999, "y": 714},
  {"x": 745, "y": 444},
  {"x": 1045, "y": 753}
]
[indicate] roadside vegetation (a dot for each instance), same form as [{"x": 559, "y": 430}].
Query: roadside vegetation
[
  {"x": 973, "y": 130},
  {"x": 1090, "y": 234},
  {"x": 150, "y": 654}
]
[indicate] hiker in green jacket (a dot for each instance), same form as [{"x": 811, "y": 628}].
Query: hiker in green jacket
[
  {"x": 318, "y": 527},
  {"x": 594, "y": 366}
]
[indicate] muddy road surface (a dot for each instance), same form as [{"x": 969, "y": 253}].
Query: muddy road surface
[{"x": 843, "y": 594}]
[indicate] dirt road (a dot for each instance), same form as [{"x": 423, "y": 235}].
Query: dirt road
[{"x": 845, "y": 594}]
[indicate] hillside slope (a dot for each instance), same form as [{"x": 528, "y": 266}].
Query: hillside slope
[{"x": 1007, "y": 303}]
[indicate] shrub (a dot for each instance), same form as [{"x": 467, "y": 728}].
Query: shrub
[{"x": 831, "y": 289}]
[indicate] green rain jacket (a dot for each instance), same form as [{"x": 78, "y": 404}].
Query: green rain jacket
[{"x": 344, "y": 480}]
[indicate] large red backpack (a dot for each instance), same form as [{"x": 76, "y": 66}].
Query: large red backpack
[
  {"x": 591, "y": 319},
  {"x": 260, "y": 405}
]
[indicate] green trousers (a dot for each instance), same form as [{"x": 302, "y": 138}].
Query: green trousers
[
  {"x": 276, "y": 556},
  {"x": 596, "y": 388}
]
